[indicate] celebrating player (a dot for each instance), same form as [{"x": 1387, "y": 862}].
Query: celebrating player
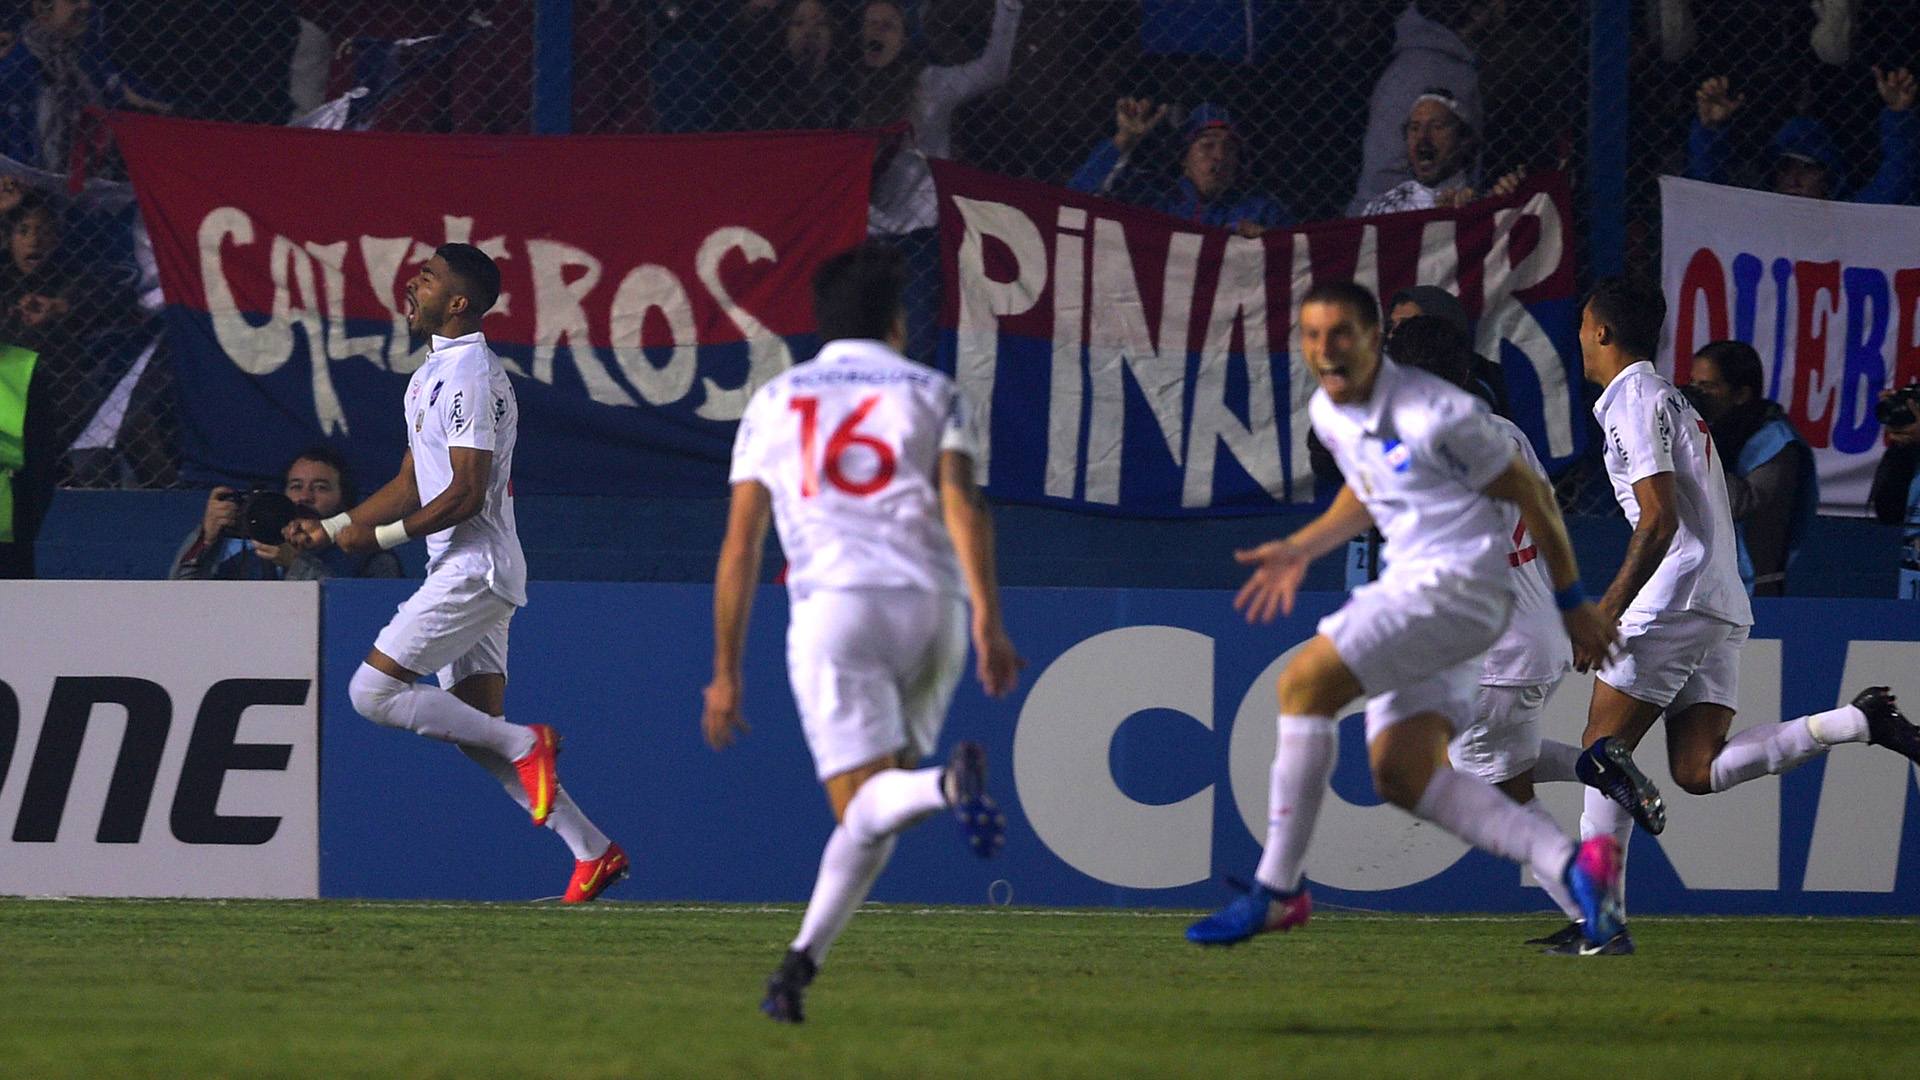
[
  {"x": 454, "y": 487},
  {"x": 1422, "y": 460},
  {"x": 1520, "y": 673},
  {"x": 1682, "y": 611},
  {"x": 859, "y": 456}
]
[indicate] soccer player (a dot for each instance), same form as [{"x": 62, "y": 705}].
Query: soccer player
[
  {"x": 1678, "y": 600},
  {"x": 864, "y": 461},
  {"x": 1502, "y": 744},
  {"x": 454, "y": 488},
  {"x": 1423, "y": 461}
]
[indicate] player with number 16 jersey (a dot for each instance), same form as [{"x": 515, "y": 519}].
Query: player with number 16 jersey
[
  {"x": 865, "y": 461},
  {"x": 848, "y": 444}
]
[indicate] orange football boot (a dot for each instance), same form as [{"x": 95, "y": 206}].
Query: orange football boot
[
  {"x": 537, "y": 773},
  {"x": 592, "y": 876}
]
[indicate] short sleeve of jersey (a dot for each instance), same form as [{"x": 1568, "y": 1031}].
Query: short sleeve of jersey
[
  {"x": 470, "y": 412},
  {"x": 1467, "y": 445},
  {"x": 747, "y": 452},
  {"x": 960, "y": 431},
  {"x": 1642, "y": 434}
]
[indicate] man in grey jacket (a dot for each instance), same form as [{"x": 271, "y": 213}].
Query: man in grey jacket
[{"x": 1433, "y": 45}]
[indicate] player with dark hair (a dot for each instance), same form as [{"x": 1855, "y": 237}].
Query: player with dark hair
[
  {"x": 1682, "y": 612},
  {"x": 1423, "y": 460},
  {"x": 455, "y": 488},
  {"x": 864, "y": 460},
  {"x": 1520, "y": 673}
]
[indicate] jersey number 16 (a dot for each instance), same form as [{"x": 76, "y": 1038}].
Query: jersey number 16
[{"x": 845, "y": 437}]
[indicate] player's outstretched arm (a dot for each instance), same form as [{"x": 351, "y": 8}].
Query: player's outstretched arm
[
  {"x": 396, "y": 499},
  {"x": 1591, "y": 631},
  {"x": 970, "y": 524},
  {"x": 1280, "y": 565},
  {"x": 733, "y": 584}
]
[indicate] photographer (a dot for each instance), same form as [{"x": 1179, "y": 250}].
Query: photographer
[
  {"x": 318, "y": 482},
  {"x": 1896, "y": 483}
]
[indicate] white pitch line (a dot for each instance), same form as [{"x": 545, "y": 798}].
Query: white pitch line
[{"x": 642, "y": 908}]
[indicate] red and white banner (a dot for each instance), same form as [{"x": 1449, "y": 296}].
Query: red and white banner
[
  {"x": 1827, "y": 292},
  {"x": 1132, "y": 362},
  {"x": 651, "y": 283}
]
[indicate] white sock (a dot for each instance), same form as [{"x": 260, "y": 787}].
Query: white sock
[
  {"x": 433, "y": 712},
  {"x": 1766, "y": 749},
  {"x": 1555, "y": 887},
  {"x": 564, "y": 816},
  {"x": 1303, "y": 764},
  {"x": 1555, "y": 765},
  {"x": 1601, "y": 816},
  {"x": 1482, "y": 815},
  {"x": 1844, "y": 724},
  {"x": 848, "y": 868},
  {"x": 891, "y": 800}
]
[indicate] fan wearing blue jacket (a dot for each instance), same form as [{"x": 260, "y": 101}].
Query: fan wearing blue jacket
[{"x": 1209, "y": 189}]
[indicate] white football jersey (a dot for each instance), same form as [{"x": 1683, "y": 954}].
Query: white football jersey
[
  {"x": 849, "y": 446},
  {"x": 1418, "y": 453},
  {"x": 1652, "y": 428},
  {"x": 1535, "y": 649},
  {"x": 461, "y": 397}
]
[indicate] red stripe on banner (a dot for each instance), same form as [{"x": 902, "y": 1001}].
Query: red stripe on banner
[{"x": 623, "y": 240}]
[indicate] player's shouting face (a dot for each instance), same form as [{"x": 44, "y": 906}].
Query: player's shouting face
[
  {"x": 432, "y": 296},
  {"x": 1343, "y": 352}
]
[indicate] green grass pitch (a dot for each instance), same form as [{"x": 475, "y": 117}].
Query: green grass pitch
[{"x": 112, "y": 989}]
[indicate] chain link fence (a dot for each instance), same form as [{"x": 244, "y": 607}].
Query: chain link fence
[{"x": 1318, "y": 92}]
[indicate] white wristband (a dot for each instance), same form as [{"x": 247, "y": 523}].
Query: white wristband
[
  {"x": 390, "y": 535},
  {"x": 334, "y": 524}
]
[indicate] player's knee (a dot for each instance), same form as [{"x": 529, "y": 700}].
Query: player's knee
[
  {"x": 374, "y": 693},
  {"x": 1401, "y": 782},
  {"x": 1694, "y": 778}
]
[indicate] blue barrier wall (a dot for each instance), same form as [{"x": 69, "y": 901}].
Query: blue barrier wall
[
  {"x": 133, "y": 534},
  {"x": 619, "y": 668}
]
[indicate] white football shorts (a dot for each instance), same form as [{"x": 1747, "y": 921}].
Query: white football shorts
[
  {"x": 873, "y": 671},
  {"x": 1415, "y": 639},
  {"x": 1504, "y": 739},
  {"x": 453, "y": 625},
  {"x": 1675, "y": 659}
]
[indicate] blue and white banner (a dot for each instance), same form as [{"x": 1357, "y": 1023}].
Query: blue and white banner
[
  {"x": 1132, "y": 764},
  {"x": 1827, "y": 292}
]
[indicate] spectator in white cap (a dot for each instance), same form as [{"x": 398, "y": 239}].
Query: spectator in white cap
[
  {"x": 1440, "y": 145},
  {"x": 1434, "y": 43}
]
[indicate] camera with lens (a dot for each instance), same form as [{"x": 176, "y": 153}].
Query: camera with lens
[
  {"x": 265, "y": 514},
  {"x": 1900, "y": 408}
]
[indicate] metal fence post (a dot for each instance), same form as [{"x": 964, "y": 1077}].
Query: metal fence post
[
  {"x": 553, "y": 67},
  {"x": 1607, "y": 136}
]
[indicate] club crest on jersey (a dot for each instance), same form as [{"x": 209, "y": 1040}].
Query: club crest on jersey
[
  {"x": 1396, "y": 455},
  {"x": 433, "y": 395}
]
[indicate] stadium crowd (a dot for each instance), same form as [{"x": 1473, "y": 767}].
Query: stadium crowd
[{"x": 1305, "y": 113}]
